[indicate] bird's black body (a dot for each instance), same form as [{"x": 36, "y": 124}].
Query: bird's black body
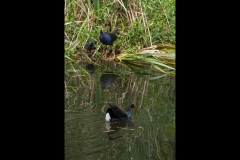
[
  {"x": 114, "y": 114},
  {"x": 89, "y": 46}
]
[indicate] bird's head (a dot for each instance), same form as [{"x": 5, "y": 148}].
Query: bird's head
[
  {"x": 133, "y": 105},
  {"x": 102, "y": 31}
]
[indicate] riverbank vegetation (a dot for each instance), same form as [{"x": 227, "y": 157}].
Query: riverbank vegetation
[{"x": 145, "y": 27}]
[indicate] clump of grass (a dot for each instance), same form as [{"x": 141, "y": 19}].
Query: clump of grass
[
  {"x": 141, "y": 24},
  {"x": 159, "y": 63}
]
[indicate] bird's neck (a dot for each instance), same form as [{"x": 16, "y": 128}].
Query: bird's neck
[{"x": 129, "y": 110}]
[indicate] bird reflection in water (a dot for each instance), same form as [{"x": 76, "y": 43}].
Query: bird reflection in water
[
  {"x": 114, "y": 127},
  {"x": 109, "y": 79}
]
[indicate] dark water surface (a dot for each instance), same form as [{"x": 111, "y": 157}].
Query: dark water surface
[{"x": 150, "y": 134}]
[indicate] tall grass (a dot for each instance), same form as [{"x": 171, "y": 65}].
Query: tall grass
[{"x": 141, "y": 23}]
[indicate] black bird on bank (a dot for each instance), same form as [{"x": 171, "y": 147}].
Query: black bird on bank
[
  {"x": 90, "y": 68},
  {"x": 89, "y": 46},
  {"x": 107, "y": 38}
]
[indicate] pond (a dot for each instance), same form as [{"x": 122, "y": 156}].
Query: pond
[{"x": 150, "y": 134}]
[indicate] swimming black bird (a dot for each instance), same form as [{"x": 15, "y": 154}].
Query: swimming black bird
[{"x": 114, "y": 114}]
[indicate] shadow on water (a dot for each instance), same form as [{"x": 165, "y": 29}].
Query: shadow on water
[{"x": 150, "y": 134}]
